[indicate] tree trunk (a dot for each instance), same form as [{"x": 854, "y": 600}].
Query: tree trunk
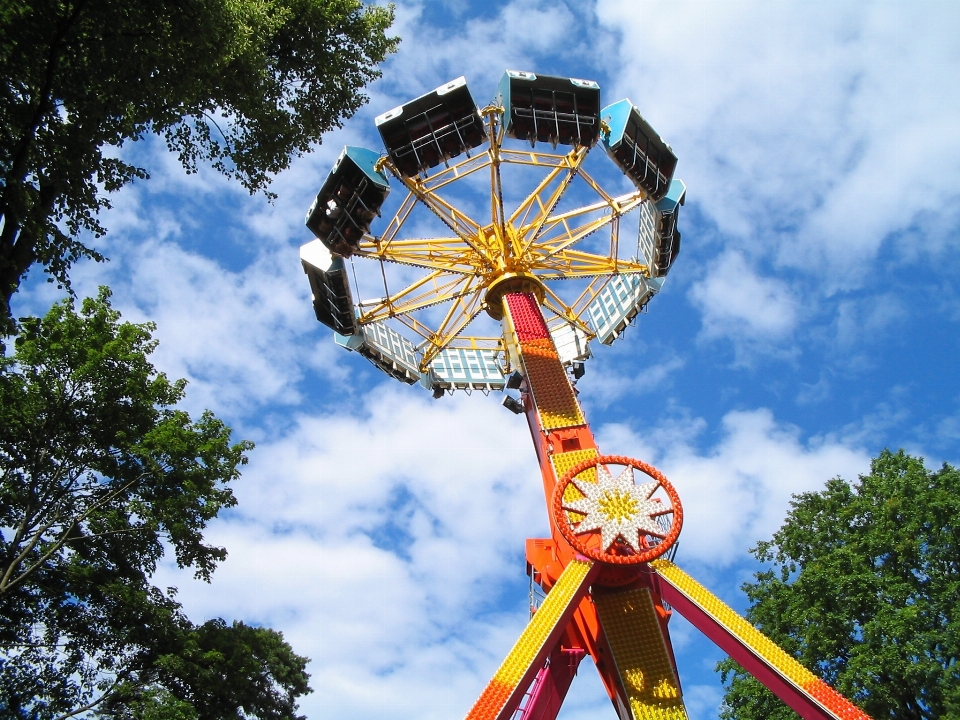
[{"x": 16, "y": 256}]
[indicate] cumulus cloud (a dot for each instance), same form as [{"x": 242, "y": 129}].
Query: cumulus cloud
[
  {"x": 218, "y": 271},
  {"x": 515, "y": 35},
  {"x": 242, "y": 338},
  {"x": 380, "y": 540},
  {"x": 738, "y": 491},
  {"x": 739, "y": 304},
  {"x": 813, "y": 393},
  {"x": 824, "y": 129},
  {"x": 607, "y": 384},
  {"x": 859, "y": 319}
]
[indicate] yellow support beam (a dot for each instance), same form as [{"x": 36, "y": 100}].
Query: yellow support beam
[
  {"x": 633, "y": 633},
  {"x": 821, "y": 697},
  {"x": 502, "y": 694}
]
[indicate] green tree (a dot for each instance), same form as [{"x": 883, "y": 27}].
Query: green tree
[
  {"x": 242, "y": 84},
  {"x": 864, "y": 591},
  {"x": 100, "y": 475}
]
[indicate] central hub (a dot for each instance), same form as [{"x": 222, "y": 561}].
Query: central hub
[
  {"x": 510, "y": 274},
  {"x": 507, "y": 283},
  {"x": 634, "y": 526}
]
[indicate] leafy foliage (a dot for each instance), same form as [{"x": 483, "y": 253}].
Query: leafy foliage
[
  {"x": 99, "y": 475},
  {"x": 864, "y": 591},
  {"x": 241, "y": 84}
]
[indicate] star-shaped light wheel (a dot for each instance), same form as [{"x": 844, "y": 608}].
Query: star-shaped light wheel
[{"x": 618, "y": 508}]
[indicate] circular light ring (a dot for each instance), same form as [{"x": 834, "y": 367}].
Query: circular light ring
[{"x": 563, "y": 521}]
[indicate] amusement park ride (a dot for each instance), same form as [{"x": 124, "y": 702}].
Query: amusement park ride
[{"x": 539, "y": 273}]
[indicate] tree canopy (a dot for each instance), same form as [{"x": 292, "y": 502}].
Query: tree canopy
[
  {"x": 244, "y": 85},
  {"x": 864, "y": 591},
  {"x": 100, "y": 476}
]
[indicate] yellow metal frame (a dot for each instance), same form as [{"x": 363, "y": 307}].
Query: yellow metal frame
[{"x": 531, "y": 241}]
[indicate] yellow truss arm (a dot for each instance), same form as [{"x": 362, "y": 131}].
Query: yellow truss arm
[
  {"x": 404, "y": 302},
  {"x": 435, "y": 253}
]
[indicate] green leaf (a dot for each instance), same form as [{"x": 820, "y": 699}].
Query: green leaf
[
  {"x": 243, "y": 85},
  {"x": 863, "y": 590},
  {"x": 100, "y": 475}
]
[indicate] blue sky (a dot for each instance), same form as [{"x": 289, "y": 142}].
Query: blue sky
[{"x": 810, "y": 321}]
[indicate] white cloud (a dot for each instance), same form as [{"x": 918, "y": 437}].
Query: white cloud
[
  {"x": 811, "y": 133},
  {"x": 818, "y": 142},
  {"x": 948, "y": 432},
  {"x": 813, "y": 393},
  {"x": 242, "y": 339},
  {"x": 381, "y": 540},
  {"x": 738, "y": 304},
  {"x": 218, "y": 271},
  {"x": 479, "y": 48},
  {"x": 605, "y": 383},
  {"x": 738, "y": 491},
  {"x": 702, "y": 700},
  {"x": 865, "y": 318}
]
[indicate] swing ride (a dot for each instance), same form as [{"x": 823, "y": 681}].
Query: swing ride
[{"x": 508, "y": 296}]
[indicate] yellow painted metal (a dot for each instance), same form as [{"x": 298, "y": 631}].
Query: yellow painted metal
[
  {"x": 553, "y": 394},
  {"x": 457, "y": 172},
  {"x": 533, "y": 240},
  {"x": 569, "y": 588},
  {"x": 640, "y": 654},
  {"x": 419, "y": 295},
  {"x": 563, "y": 313},
  {"x": 556, "y": 402},
  {"x": 466, "y": 228},
  {"x": 571, "y": 163},
  {"x": 759, "y": 643},
  {"x": 539, "y": 637},
  {"x": 563, "y": 463}
]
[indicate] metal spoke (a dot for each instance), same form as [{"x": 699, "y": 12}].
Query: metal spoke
[{"x": 404, "y": 302}]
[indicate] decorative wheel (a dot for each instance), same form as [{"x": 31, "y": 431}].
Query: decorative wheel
[{"x": 613, "y": 519}]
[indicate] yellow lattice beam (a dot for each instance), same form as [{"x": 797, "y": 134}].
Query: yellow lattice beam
[
  {"x": 433, "y": 289},
  {"x": 569, "y": 263},
  {"x": 570, "y": 165},
  {"x": 436, "y": 254}
]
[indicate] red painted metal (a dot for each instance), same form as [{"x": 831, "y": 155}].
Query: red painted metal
[
  {"x": 527, "y": 317},
  {"x": 552, "y": 684},
  {"x": 583, "y": 633},
  {"x": 798, "y": 701}
]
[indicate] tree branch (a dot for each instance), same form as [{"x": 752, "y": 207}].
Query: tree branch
[
  {"x": 90, "y": 706},
  {"x": 6, "y": 584}
]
